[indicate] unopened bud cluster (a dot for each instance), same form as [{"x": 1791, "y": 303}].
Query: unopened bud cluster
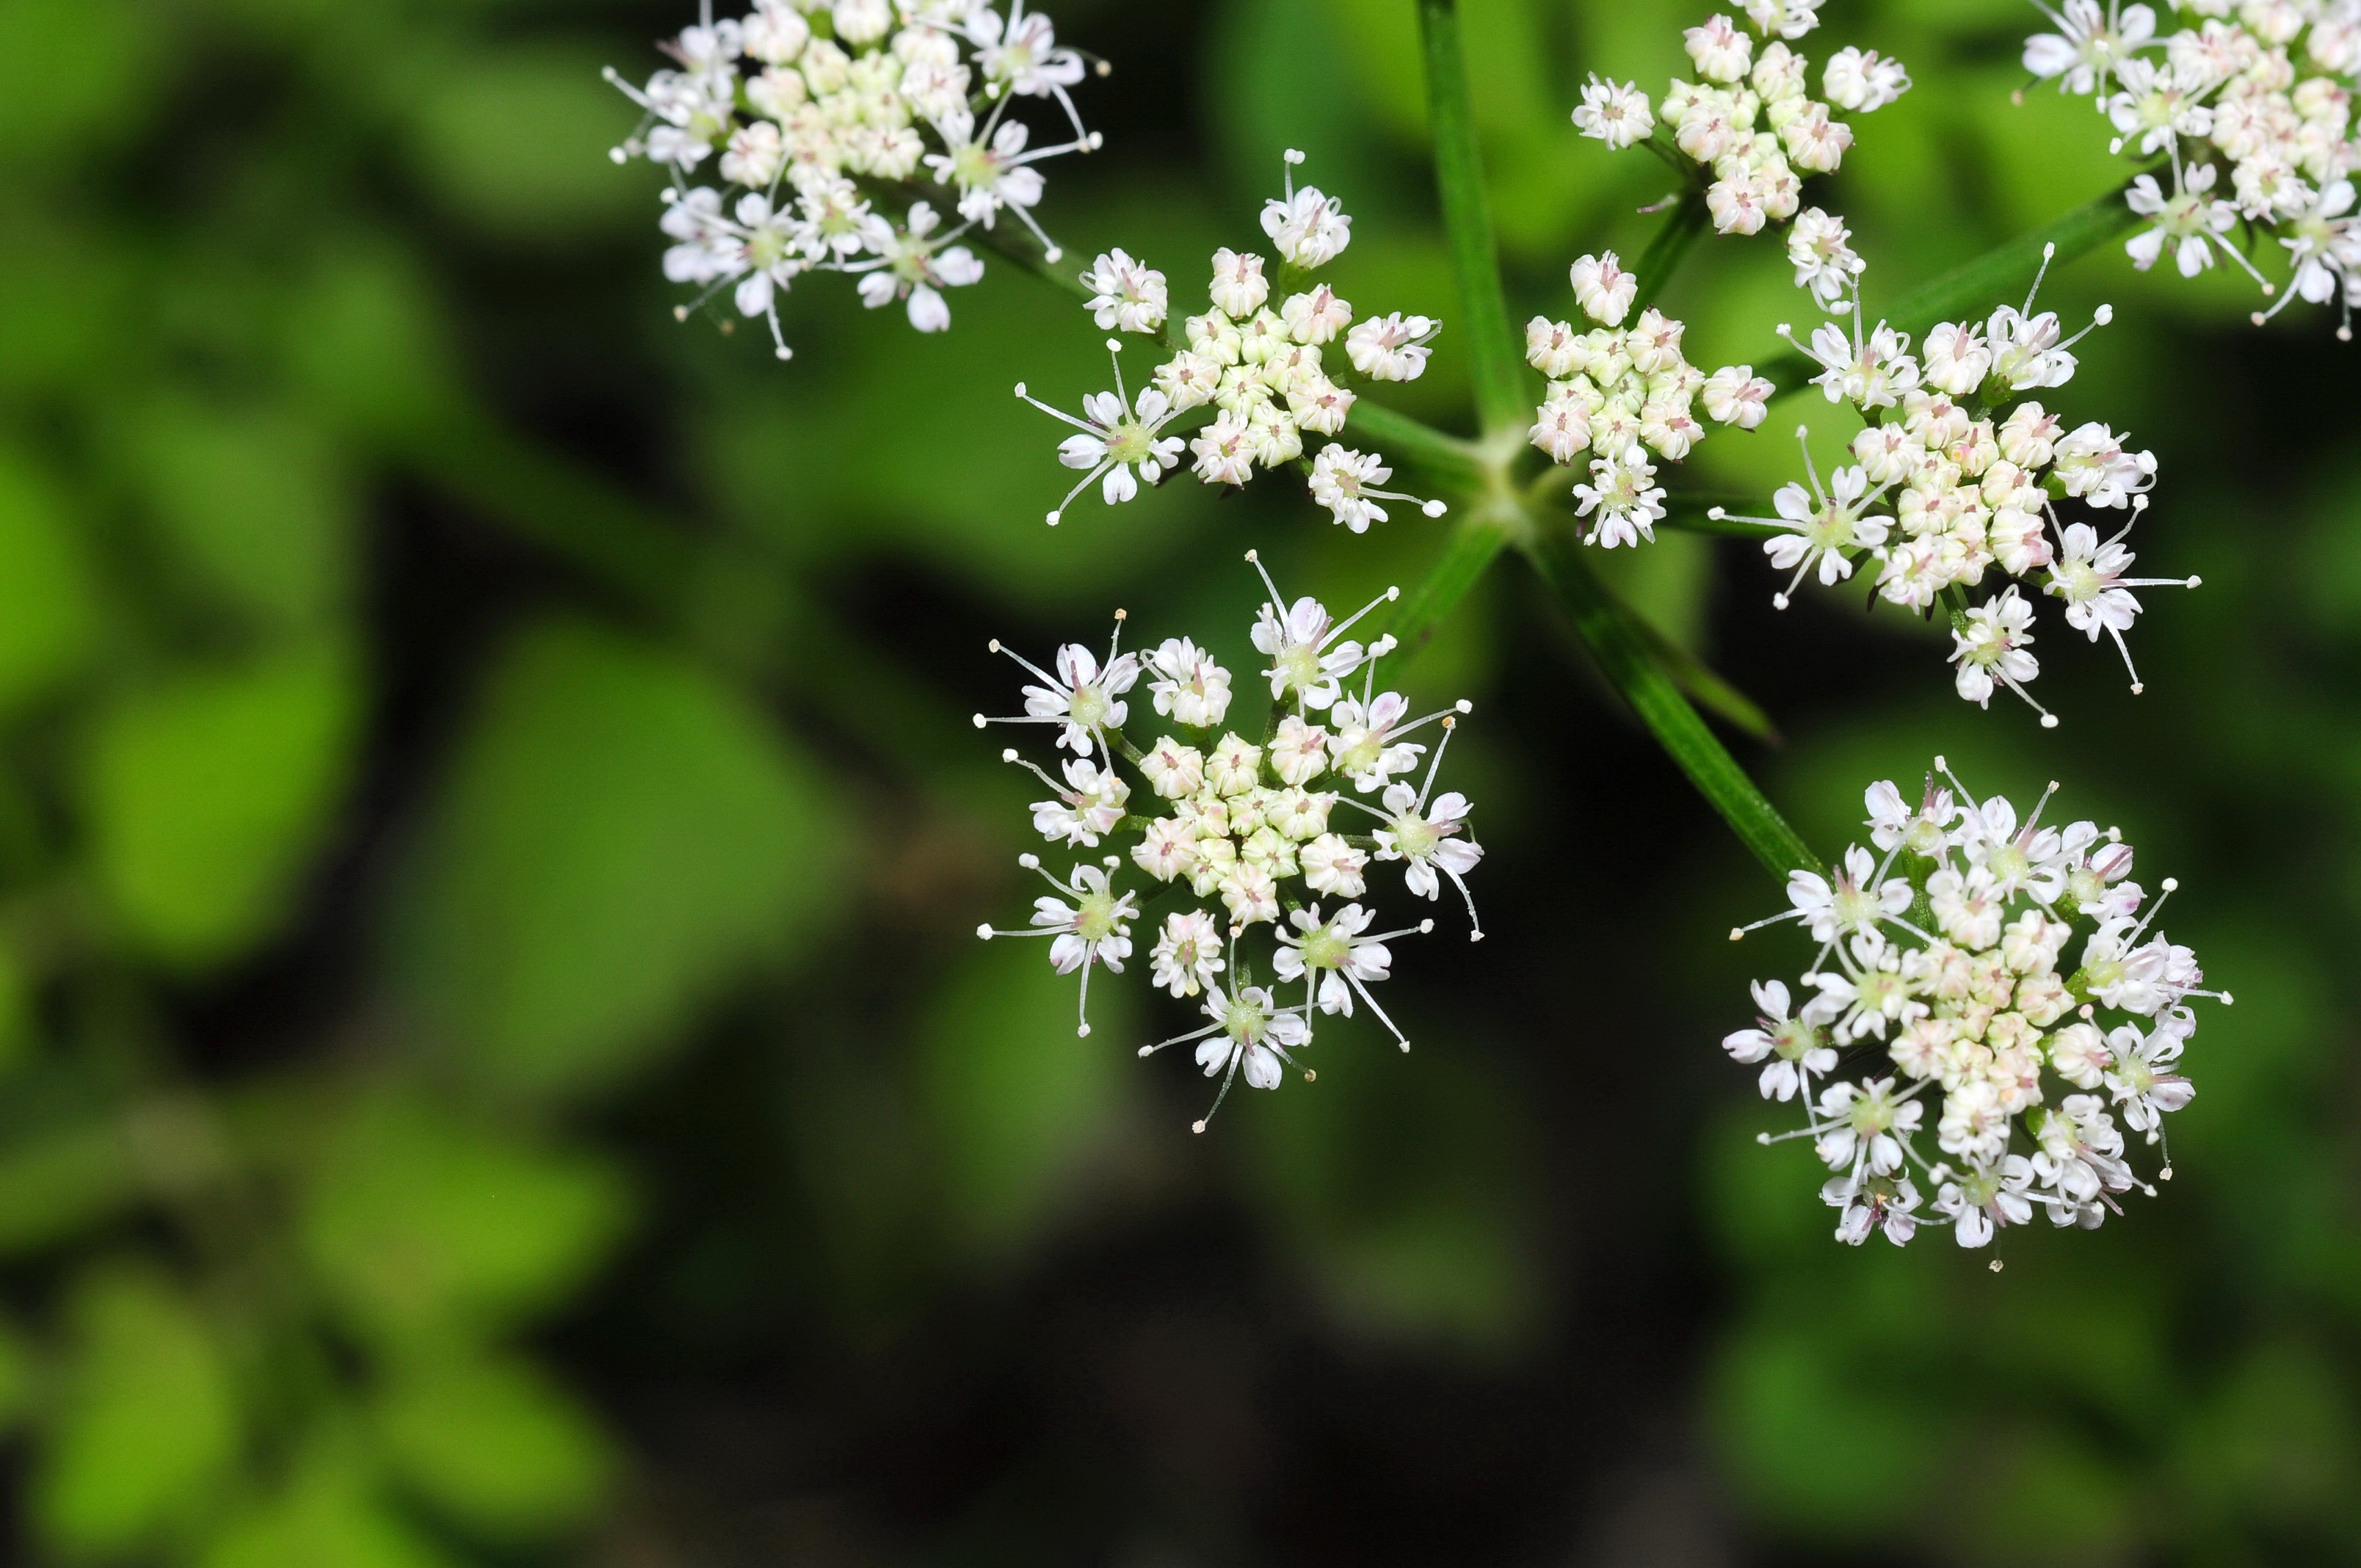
[
  {"x": 1749, "y": 124},
  {"x": 1626, "y": 395},
  {"x": 1250, "y": 857},
  {"x": 1265, "y": 361},
  {"x": 1989, "y": 1012},
  {"x": 1959, "y": 474},
  {"x": 2261, "y": 91},
  {"x": 817, "y": 112}
]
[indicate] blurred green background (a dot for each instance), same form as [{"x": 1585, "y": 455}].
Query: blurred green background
[{"x": 493, "y": 1065}]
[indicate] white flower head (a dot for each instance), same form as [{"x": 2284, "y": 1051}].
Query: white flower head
[
  {"x": 1615, "y": 114},
  {"x": 1977, "y": 1029},
  {"x": 1119, "y": 441},
  {"x": 1309, "y": 228}
]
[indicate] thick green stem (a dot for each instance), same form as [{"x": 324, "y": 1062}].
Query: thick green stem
[
  {"x": 1995, "y": 278},
  {"x": 1625, "y": 656},
  {"x": 1474, "y": 544},
  {"x": 1503, "y": 395},
  {"x": 1446, "y": 458},
  {"x": 1682, "y": 226}
]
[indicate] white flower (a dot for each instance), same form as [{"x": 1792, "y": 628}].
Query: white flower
[
  {"x": 1985, "y": 1198},
  {"x": 2156, "y": 107},
  {"x": 1788, "y": 18},
  {"x": 2142, "y": 1081},
  {"x": 1308, "y": 651},
  {"x": 1864, "y": 1127},
  {"x": 2194, "y": 224},
  {"x": 1346, "y": 484},
  {"x": 1189, "y": 955},
  {"x": 1736, "y": 395},
  {"x": 1309, "y": 229},
  {"x": 1174, "y": 772},
  {"x": 1122, "y": 447},
  {"x": 1298, "y": 752},
  {"x": 1955, "y": 358},
  {"x": 1224, "y": 450},
  {"x": 1799, "y": 1050},
  {"x": 1820, "y": 247},
  {"x": 993, "y": 171},
  {"x": 1990, "y": 649},
  {"x": 1317, "y": 317},
  {"x": 1976, "y": 1019},
  {"x": 1338, "y": 960},
  {"x": 2090, "y": 44},
  {"x": 1879, "y": 1203},
  {"x": 908, "y": 268},
  {"x": 2090, "y": 463},
  {"x": 1249, "y": 1030},
  {"x": 1603, "y": 290},
  {"x": 1022, "y": 55},
  {"x": 1238, "y": 289},
  {"x": 1393, "y": 347},
  {"x": 1093, "y": 929},
  {"x": 1624, "y": 497},
  {"x": 1867, "y": 991},
  {"x": 2089, "y": 576},
  {"x": 1827, "y": 526},
  {"x": 1083, "y": 698},
  {"x": 1616, "y": 115},
  {"x": 1863, "y": 82},
  {"x": 1333, "y": 866},
  {"x": 1090, "y": 805},
  {"x": 1125, "y": 295},
  {"x": 1720, "y": 51},
  {"x": 1189, "y": 687},
  {"x": 1367, "y": 745},
  {"x": 1429, "y": 839}
]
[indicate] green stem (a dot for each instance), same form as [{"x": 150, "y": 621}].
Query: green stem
[
  {"x": 1446, "y": 458},
  {"x": 1503, "y": 396},
  {"x": 1474, "y": 544},
  {"x": 1682, "y": 226},
  {"x": 1632, "y": 666},
  {"x": 1970, "y": 291}
]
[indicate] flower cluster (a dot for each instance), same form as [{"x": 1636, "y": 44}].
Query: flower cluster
[
  {"x": 1240, "y": 831},
  {"x": 1265, "y": 363},
  {"x": 815, "y": 111},
  {"x": 2264, "y": 96},
  {"x": 1949, "y": 1016},
  {"x": 1958, "y": 473},
  {"x": 1749, "y": 122},
  {"x": 1624, "y": 394}
]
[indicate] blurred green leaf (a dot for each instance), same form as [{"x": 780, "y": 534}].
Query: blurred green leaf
[
  {"x": 422, "y": 1226},
  {"x": 1016, "y": 1098},
  {"x": 1826, "y": 1442},
  {"x": 495, "y": 1446},
  {"x": 517, "y": 141},
  {"x": 16, "y": 1374},
  {"x": 363, "y": 339},
  {"x": 255, "y": 502},
  {"x": 1402, "y": 1184},
  {"x": 61, "y": 1181},
  {"x": 149, "y": 1422},
  {"x": 69, "y": 67},
  {"x": 206, "y": 797},
  {"x": 618, "y": 835},
  {"x": 2277, "y": 1443},
  {"x": 48, "y": 618},
  {"x": 328, "y": 1516}
]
